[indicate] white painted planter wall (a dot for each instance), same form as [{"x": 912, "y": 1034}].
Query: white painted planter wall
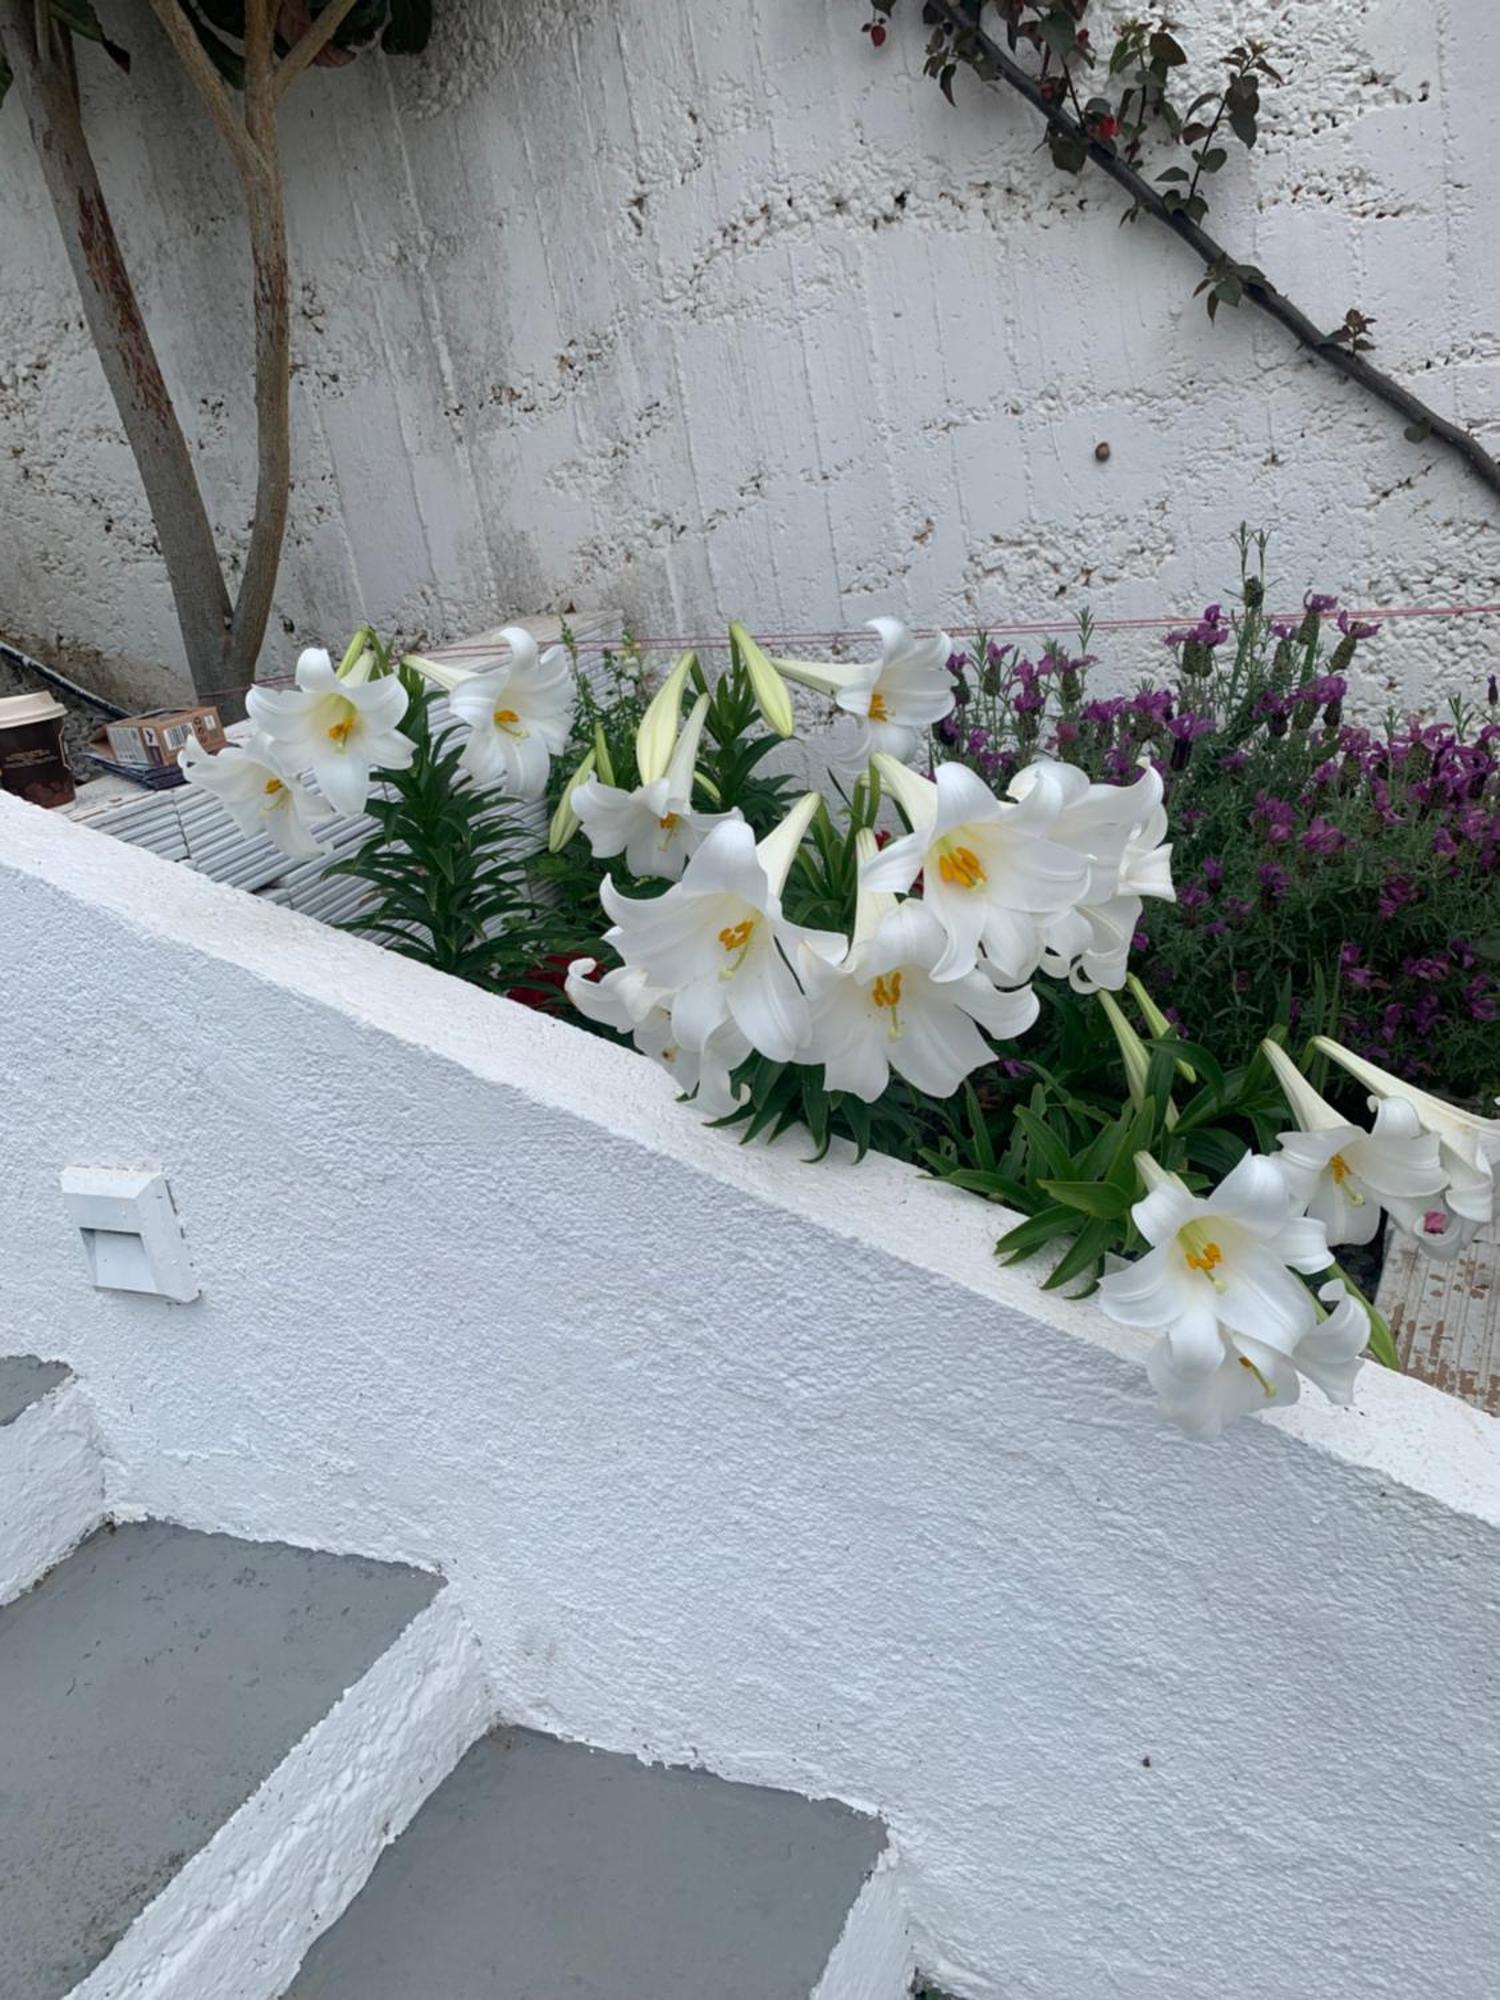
[
  {"x": 701, "y": 311},
  {"x": 735, "y": 1459}
]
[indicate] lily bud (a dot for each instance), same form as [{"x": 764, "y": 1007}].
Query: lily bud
[
  {"x": 658, "y": 729},
  {"x": 1161, "y": 1028},
  {"x": 565, "y": 822},
  {"x": 1132, "y": 1049},
  {"x": 359, "y": 659},
  {"x": 771, "y": 692},
  {"x": 443, "y": 676}
]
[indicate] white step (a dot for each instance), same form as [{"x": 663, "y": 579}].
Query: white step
[
  {"x": 542, "y": 1869},
  {"x": 204, "y": 1745},
  {"x": 51, "y": 1470}
]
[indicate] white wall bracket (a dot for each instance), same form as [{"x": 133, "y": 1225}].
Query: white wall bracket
[{"x": 131, "y": 1233}]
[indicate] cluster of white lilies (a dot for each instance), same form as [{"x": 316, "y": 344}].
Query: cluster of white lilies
[
  {"x": 1049, "y": 877},
  {"x": 953, "y": 920},
  {"x": 1223, "y": 1280}
]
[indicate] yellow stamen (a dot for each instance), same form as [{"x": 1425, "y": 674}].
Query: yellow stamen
[
  {"x": 878, "y": 710},
  {"x": 669, "y": 822},
  {"x": 1199, "y": 1253},
  {"x": 960, "y": 867},
  {"x": 1339, "y": 1167},
  {"x": 886, "y": 992},
  {"x": 340, "y": 732},
  {"x": 1246, "y": 1362},
  {"x": 735, "y": 939},
  {"x": 273, "y": 786},
  {"x": 507, "y": 719}
]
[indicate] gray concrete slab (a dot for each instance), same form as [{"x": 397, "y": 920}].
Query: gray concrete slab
[
  {"x": 24, "y": 1380},
  {"x": 147, "y": 1686},
  {"x": 544, "y": 1871}
]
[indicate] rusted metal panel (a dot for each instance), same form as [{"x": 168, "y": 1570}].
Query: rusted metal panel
[{"x": 1446, "y": 1317}]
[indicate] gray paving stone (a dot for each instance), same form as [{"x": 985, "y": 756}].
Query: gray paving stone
[
  {"x": 147, "y": 1686},
  {"x": 544, "y": 1871},
  {"x": 24, "y": 1380}
]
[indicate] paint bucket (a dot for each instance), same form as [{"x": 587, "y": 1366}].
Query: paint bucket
[{"x": 32, "y": 765}]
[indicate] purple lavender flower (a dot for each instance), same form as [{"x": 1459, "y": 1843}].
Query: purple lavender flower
[
  {"x": 1316, "y": 601},
  {"x": 1274, "y": 882},
  {"x": 1356, "y": 628},
  {"x": 1210, "y": 630},
  {"x": 1353, "y": 972},
  {"x": 1213, "y": 872},
  {"x": 1396, "y": 892},
  {"x": 1323, "y": 839},
  {"x": 1274, "y": 818}
]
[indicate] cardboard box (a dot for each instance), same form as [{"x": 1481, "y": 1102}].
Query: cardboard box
[{"x": 155, "y": 738}]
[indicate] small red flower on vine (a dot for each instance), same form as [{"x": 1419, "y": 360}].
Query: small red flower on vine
[{"x": 876, "y": 30}]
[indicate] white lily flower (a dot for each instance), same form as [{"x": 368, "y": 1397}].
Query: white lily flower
[
  {"x": 655, "y": 826},
  {"x": 990, "y": 868},
  {"x": 1470, "y": 1145},
  {"x": 718, "y": 943},
  {"x": 340, "y": 730},
  {"x": 519, "y": 714},
  {"x": 896, "y": 697},
  {"x": 626, "y": 1001},
  {"x": 1343, "y": 1175},
  {"x": 880, "y": 1009},
  {"x": 1220, "y": 1277},
  {"x": 1121, "y": 831},
  {"x": 254, "y": 786},
  {"x": 1251, "y": 1376}
]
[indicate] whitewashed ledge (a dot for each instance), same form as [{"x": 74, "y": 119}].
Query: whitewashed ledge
[{"x": 734, "y": 1459}]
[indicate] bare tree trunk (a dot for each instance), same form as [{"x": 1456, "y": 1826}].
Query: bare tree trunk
[
  {"x": 48, "y": 85},
  {"x": 254, "y": 145},
  {"x": 273, "y": 374}
]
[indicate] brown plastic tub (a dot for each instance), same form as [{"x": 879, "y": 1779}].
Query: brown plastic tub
[{"x": 32, "y": 764}]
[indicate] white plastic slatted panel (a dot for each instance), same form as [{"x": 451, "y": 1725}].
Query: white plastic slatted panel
[{"x": 189, "y": 826}]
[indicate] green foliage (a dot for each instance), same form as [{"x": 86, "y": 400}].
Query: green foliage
[
  {"x": 76, "y": 17},
  {"x": 1337, "y": 879},
  {"x": 402, "y": 27},
  {"x": 1066, "y": 1155},
  {"x": 445, "y": 863}
]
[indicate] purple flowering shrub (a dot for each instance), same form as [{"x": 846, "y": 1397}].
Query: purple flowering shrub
[{"x": 1338, "y": 878}]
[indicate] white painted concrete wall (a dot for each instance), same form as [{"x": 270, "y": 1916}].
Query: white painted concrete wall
[
  {"x": 734, "y": 1459},
  {"x": 701, "y": 311}
]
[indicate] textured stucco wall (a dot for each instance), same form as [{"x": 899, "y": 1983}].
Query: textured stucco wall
[
  {"x": 699, "y": 311},
  {"x": 736, "y": 1460}
]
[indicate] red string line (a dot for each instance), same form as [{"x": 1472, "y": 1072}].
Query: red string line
[{"x": 785, "y": 641}]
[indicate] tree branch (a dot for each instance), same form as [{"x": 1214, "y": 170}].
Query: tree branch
[
  {"x": 48, "y": 89},
  {"x": 993, "y": 65},
  {"x": 304, "y": 52},
  {"x": 207, "y": 81}
]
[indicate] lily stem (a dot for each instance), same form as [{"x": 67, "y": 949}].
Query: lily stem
[{"x": 1382, "y": 1340}]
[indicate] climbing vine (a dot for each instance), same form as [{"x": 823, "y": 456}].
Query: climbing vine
[{"x": 1121, "y": 113}]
